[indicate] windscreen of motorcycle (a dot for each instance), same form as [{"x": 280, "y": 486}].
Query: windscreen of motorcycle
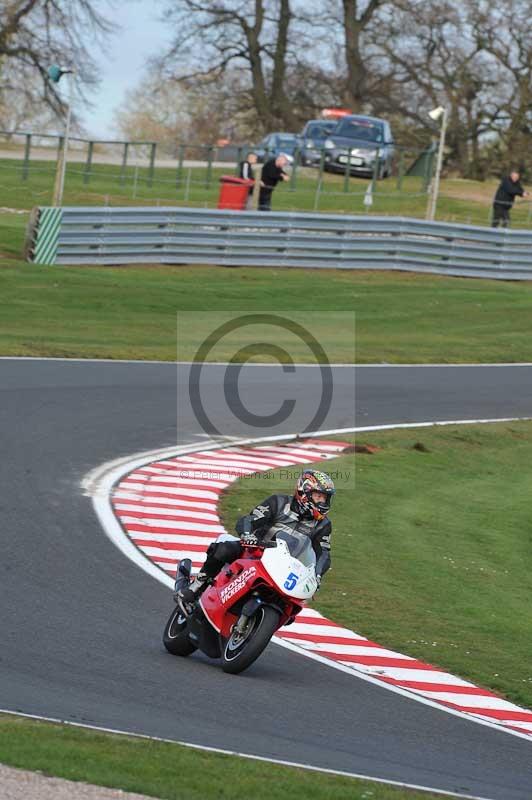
[
  {"x": 299, "y": 546},
  {"x": 291, "y": 565}
]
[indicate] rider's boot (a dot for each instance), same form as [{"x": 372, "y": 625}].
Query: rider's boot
[{"x": 186, "y": 598}]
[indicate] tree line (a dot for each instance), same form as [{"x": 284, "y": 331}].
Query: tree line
[{"x": 238, "y": 69}]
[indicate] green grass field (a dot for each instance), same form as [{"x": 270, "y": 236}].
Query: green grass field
[
  {"x": 106, "y": 312},
  {"x": 431, "y": 547},
  {"x": 169, "y": 771},
  {"x": 460, "y": 200}
]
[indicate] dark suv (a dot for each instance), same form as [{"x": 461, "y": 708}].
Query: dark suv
[{"x": 360, "y": 141}]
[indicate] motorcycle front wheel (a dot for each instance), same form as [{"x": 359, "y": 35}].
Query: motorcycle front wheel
[
  {"x": 242, "y": 649},
  {"x": 175, "y": 637}
]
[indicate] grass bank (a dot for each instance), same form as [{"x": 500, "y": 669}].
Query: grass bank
[
  {"x": 431, "y": 548},
  {"x": 106, "y": 312},
  {"x": 460, "y": 200},
  {"x": 169, "y": 771}
]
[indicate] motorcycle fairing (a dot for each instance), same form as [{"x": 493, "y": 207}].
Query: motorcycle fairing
[
  {"x": 230, "y": 586},
  {"x": 291, "y": 576}
]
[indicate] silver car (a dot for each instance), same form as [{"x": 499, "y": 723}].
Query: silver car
[{"x": 365, "y": 143}]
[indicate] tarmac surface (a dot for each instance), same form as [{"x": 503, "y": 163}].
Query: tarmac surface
[{"x": 81, "y": 625}]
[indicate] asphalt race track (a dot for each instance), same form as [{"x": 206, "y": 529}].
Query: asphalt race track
[{"x": 81, "y": 625}]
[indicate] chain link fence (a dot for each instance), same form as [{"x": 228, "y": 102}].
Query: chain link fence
[{"x": 117, "y": 173}]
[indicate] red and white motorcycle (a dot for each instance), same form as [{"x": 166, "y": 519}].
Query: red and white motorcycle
[{"x": 237, "y": 615}]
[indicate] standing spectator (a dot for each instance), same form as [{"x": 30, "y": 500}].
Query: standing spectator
[
  {"x": 245, "y": 170},
  {"x": 272, "y": 173},
  {"x": 509, "y": 188}
]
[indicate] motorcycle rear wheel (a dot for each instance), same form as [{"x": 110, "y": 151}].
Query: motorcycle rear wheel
[
  {"x": 241, "y": 650},
  {"x": 175, "y": 637}
]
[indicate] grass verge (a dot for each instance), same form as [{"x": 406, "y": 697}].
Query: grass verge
[
  {"x": 460, "y": 200},
  {"x": 106, "y": 312},
  {"x": 431, "y": 547},
  {"x": 170, "y": 771}
]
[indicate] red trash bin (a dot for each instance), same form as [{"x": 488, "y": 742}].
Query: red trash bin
[{"x": 234, "y": 192}]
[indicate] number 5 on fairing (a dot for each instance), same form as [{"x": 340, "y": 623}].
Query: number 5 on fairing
[{"x": 290, "y": 582}]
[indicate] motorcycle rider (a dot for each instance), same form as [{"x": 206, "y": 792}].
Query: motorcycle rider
[{"x": 304, "y": 513}]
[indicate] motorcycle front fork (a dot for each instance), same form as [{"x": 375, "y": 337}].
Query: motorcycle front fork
[{"x": 249, "y": 609}]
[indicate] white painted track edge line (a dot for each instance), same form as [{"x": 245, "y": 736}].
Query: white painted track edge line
[
  {"x": 426, "y": 424},
  {"x": 101, "y": 480},
  {"x": 250, "y": 756},
  {"x": 378, "y": 365}
]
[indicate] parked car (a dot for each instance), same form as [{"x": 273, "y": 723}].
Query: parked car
[
  {"x": 312, "y": 138},
  {"x": 276, "y": 143},
  {"x": 360, "y": 140}
]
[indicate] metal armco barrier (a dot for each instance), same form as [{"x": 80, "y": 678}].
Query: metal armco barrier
[{"x": 260, "y": 239}]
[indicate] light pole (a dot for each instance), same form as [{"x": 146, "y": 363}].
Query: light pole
[
  {"x": 55, "y": 73},
  {"x": 436, "y": 114}
]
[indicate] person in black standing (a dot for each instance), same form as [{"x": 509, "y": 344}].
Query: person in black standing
[
  {"x": 509, "y": 188},
  {"x": 245, "y": 170},
  {"x": 272, "y": 173}
]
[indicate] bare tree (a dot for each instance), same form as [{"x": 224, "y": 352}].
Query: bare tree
[
  {"x": 351, "y": 69},
  {"x": 433, "y": 49},
  {"x": 254, "y": 37},
  {"x": 505, "y": 33},
  {"x": 357, "y": 17},
  {"x": 172, "y": 114},
  {"x": 18, "y": 109},
  {"x": 36, "y": 33}
]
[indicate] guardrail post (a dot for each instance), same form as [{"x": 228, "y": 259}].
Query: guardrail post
[
  {"x": 347, "y": 173},
  {"x": 376, "y": 170},
  {"x": 181, "y": 158},
  {"x": 152, "y": 163},
  {"x": 401, "y": 173},
  {"x": 187, "y": 187},
  {"x": 88, "y": 164},
  {"x": 124, "y": 163},
  {"x": 135, "y": 181},
  {"x": 322, "y": 165},
  {"x": 208, "y": 174},
  {"x": 317, "y": 195},
  {"x": 27, "y": 148}
]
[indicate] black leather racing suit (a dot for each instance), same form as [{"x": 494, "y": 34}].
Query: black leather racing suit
[{"x": 275, "y": 513}]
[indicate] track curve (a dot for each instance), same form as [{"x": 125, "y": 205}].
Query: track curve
[{"x": 81, "y": 624}]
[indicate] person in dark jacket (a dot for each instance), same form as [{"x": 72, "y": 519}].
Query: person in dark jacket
[
  {"x": 245, "y": 170},
  {"x": 305, "y": 514},
  {"x": 272, "y": 173},
  {"x": 509, "y": 188}
]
